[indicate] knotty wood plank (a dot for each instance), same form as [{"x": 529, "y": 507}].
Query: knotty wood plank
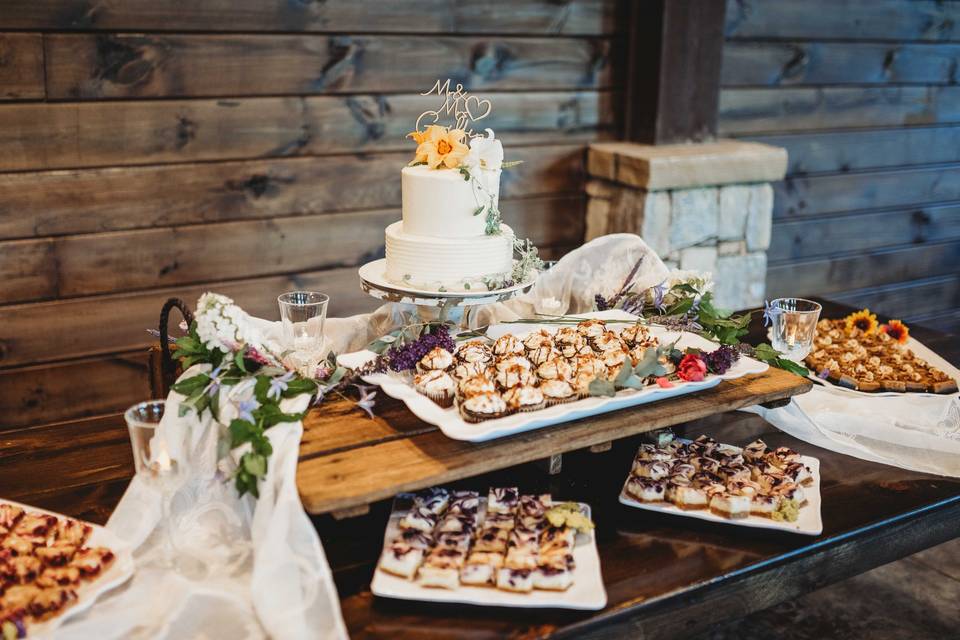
[
  {"x": 71, "y": 390},
  {"x": 746, "y": 111},
  {"x": 800, "y": 63},
  {"x": 145, "y": 65},
  {"x": 146, "y": 132},
  {"x": 342, "y": 480},
  {"x": 914, "y": 298},
  {"x": 828, "y": 275},
  {"x": 927, "y": 20},
  {"x": 130, "y": 260},
  {"x": 21, "y": 66},
  {"x": 946, "y": 320},
  {"x": 798, "y": 239},
  {"x": 573, "y": 17},
  {"x": 64, "y": 456},
  {"x": 32, "y": 333},
  {"x": 90, "y": 200},
  {"x": 801, "y": 196},
  {"x": 832, "y": 151}
]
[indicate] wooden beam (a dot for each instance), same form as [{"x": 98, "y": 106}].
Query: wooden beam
[{"x": 673, "y": 70}]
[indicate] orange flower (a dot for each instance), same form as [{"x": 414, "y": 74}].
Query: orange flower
[
  {"x": 863, "y": 320},
  {"x": 896, "y": 330},
  {"x": 440, "y": 146}
]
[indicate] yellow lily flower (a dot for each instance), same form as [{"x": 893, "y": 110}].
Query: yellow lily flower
[{"x": 438, "y": 145}]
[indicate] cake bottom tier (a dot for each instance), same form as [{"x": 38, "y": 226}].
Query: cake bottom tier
[{"x": 448, "y": 264}]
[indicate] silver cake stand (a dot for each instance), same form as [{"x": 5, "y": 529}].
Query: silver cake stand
[{"x": 430, "y": 305}]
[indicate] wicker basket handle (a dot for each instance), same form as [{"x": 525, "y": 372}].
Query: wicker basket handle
[{"x": 169, "y": 366}]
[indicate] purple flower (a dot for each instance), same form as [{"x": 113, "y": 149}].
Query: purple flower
[
  {"x": 405, "y": 357},
  {"x": 824, "y": 374},
  {"x": 601, "y": 302},
  {"x": 214, "y": 385},
  {"x": 659, "y": 292},
  {"x": 769, "y": 313},
  {"x": 721, "y": 359},
  {"x": 279, "y": 385},
  {"x": 367, "y": 398},
  {"x": 245, "y": 410}
]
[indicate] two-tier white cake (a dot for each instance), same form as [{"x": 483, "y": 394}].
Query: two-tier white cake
[{"x": 445, "y": 241}]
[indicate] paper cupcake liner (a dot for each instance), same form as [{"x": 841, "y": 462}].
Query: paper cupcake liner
[
  {"x": 475, "y": 418},
  {"x": 445, "y": 400},
  {"x": 554, "y": 401}
]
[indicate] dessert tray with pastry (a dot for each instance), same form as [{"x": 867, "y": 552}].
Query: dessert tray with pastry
[
  {"x": 527, "y": 376},
  {"x": 502, "y": 549},
  {"x": 53, "y": 567},
  {"x": 857, "y": 354},
  {"x": 752, "y": 487}
]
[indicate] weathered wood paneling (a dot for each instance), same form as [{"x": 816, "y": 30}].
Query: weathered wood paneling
[
  {"x": 795, "y": 240},
  {"x": 901, "y": 300},
  {"x": 135, "y": 65},
  {"x": 833, "y": 151},
  {"x": 21, "y": 66},
  {"x": 580, "y": 17},
  {"x": 811, "y": 195},
  {"x": 947, "y": 321},
  {"x": 85, "y": 387},
  {"x": 853, "y": 19},
  {"x": 145, "y": 132},
  {"x": 91, "y": 200},
  {"x": 745, "y": 111},
  {"x": 842, "y": 273},
  {"x": 129, "y": 260},
  {"x": 819, "y": 63}
]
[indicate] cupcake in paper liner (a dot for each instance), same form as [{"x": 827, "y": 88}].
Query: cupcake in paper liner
[
  {"x": 558, "y": 392},
  {"x": 525, "y": 398},
  {"x": 537, "y": 339},
  {"x": 438, "y": 359},
  {"x": 483, "y": 406},
  {"x": 436, "y": 385},
  {"x": 514, "y": 376},
  {"x": 477, "y": 384}
]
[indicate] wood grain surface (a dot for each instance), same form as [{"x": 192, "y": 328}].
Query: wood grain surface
[
  {"x": 21, "y": 66},
  {"x": 570, "y": 17},
  {"x": 143, "y": 65}
]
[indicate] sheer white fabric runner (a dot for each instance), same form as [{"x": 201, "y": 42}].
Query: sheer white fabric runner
[{"x": 920, "y": 433}]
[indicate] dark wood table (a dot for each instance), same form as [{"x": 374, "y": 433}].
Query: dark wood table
[{"x": 665, "y": 576}]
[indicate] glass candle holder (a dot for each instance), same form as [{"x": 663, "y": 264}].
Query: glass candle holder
[
  {"x": 794, "y": 324},
  {"x": 303, "y": 315}
]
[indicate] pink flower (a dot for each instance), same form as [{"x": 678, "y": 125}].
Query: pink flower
[
  {"x": 664, "y": 383},
  {"x": 692, "y": 368}
]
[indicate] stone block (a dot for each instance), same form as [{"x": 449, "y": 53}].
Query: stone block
[
  {"x": 759, "y": 218},
  {"x": 740, "y": 281},
  {"x": 683, "y": 166},
  {"x": 699, "y": 258},
  {"x": 655, "y": 226},
  {"x": 694, "y": 216},
  {"x": 613, "y": 208},
  {"x": 734, "y": 207},
  {"x": 731, "y": 248}
]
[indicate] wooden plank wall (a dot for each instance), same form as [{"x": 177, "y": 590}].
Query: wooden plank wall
[
  {"x": 864, "y": 95},
  {"x": 163, "y": 148}
]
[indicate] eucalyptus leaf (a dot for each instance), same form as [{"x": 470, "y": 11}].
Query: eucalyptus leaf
[{"x": 602, "y": 388}]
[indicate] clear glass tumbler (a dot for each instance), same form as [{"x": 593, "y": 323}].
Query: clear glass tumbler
[
  {"x": 303, "y": 314},
  {"x": 794, "y": 324},
  {"x": 154, "y": 465}
]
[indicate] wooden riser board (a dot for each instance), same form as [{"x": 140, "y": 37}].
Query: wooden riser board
[{"x": 348, "y": 460}]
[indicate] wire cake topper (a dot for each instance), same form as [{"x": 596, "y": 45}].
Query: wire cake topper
[{"x": 461, "y": 104}]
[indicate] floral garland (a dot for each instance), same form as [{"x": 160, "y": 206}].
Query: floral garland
[{"x": 223, "y": 337}]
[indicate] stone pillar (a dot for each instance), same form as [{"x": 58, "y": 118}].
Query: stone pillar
[{"x": 699, "y": 206}]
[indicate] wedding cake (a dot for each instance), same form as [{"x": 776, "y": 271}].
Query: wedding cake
[{"x": 451, "y": 237}]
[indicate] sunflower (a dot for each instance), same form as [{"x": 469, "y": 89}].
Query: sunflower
[
  {"x": 863, "y": 320},
  {"x": 896, "y": 330},
  {"x": 440, "y": 146}
]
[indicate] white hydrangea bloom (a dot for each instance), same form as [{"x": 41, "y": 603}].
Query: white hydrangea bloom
[{"x": 223, "y": 325}]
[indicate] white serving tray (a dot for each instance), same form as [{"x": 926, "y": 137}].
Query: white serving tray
[
  {"x": 587, "y": 592},
  {"x": 808, "y": 523},
  {"x": 88, "y": 591},
  {"x": 454, "y": 426}
]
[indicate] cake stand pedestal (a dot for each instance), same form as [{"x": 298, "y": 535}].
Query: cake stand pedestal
[{"x": 431, "y": 305}]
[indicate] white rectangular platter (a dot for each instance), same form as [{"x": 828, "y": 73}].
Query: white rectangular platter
[
  {"x": 587, "y": 592},
  {"x": 454, "y": 426},
  {"x": 88, "y": 591},
  {"x": 808, "y": 523}
]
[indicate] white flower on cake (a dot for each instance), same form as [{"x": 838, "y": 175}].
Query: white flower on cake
[{"x": 486, "y": 152}]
